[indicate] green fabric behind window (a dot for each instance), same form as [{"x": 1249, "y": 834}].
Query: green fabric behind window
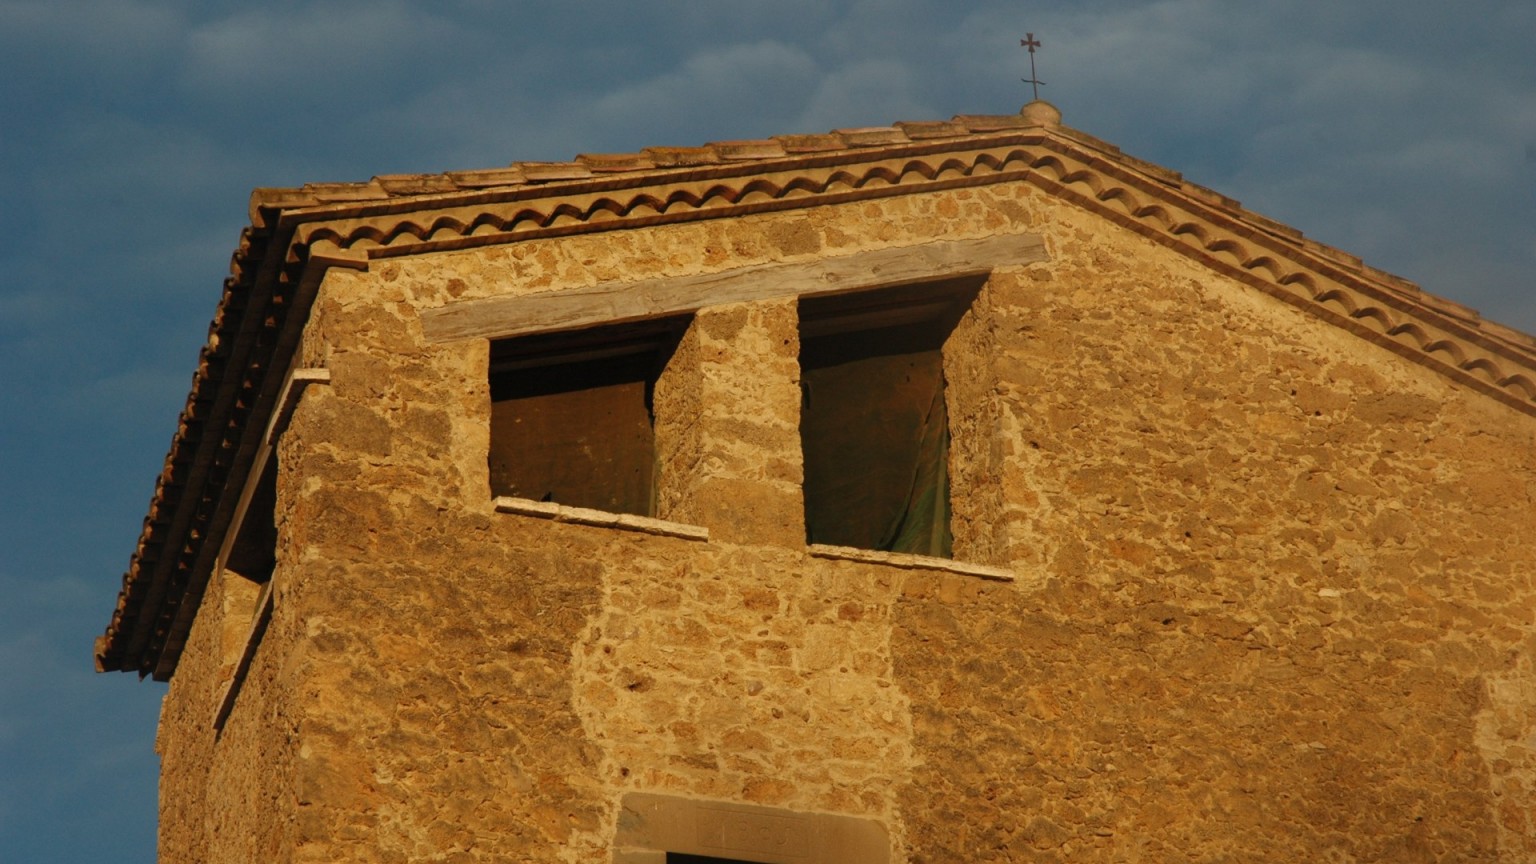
[{"x": 875, "y": 438}]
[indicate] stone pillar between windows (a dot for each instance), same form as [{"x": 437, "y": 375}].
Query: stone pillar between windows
[
  {"x": 727, "y": 421},
  {"x": 976, "y": 449}
]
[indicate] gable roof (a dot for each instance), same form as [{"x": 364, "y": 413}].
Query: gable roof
[{"x": 296, "y": 234}]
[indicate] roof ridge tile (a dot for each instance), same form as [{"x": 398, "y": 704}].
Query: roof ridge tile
[
  {"x": 615, "y": 162},
  {"x": 546, "y": 172},
  {"x": 331, "y": 193},
  {"x": 1397, "y": 282},
  {"x": 1210, "y": 196},
  {"x": 993, "y": 122},
  {"x": 1449, "y": 307},
  {"x": 682, "y": 157},
  {"x": 1500, "y": 331},
  {"x": 480, "y": 178},
  {"x": 822, "y": 142},
  {"x": 1333, "y": 253},
  {"x": 747, "y": 149},
  {"x": 1279, "y": 229},
  {"x": 414, "y": 184},
  {"x": 282, "y": 197},
  {"x": 922, "y": 130},
  {"x": 873, "y": 136}
]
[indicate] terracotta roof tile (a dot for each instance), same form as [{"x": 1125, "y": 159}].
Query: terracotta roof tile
[
  {"x": 1499, "y": 331},
  {"x": 281, "y": 197},
  {"x": 1449, "y": 307},
  {"x": 1209, "y": 196},
  {"x": 1337, "y": 255},
  {"x": 545, "y": 172},
  {"x": 414, "y": 184},
  {"x": 1153, "y": 170},
  {"x": 1088, "y": 140},
  {"x": 680, "y": 157},
  {"x": 811, "y": 143},
  {"x": 330, "y": 193},
  {"x": 735, "y": 151},
  {"x": 1277, "y": 228},
  {"x": 992, "y": 122},
  {"x": 487, "y": 177},
  {"x": 874, "y": 136},
  {"x": 607, "y": 162},
  {"x": 922, "y": 130},
  {"x": 1394, "y": 281}
]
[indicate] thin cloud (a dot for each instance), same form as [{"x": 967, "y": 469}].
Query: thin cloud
[
  {"x": 712, "y": 83},
  {"x": 27, "y": 310},
  {"x": 867, "y": 93},
  {"x": 334, "y": 51},
  {"x": 102, "y": 36}
]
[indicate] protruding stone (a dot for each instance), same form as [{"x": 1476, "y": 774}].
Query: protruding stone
[{"x": 1041, "y": 113}]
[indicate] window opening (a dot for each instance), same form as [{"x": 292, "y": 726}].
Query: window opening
[
  {"x": 571, "y": 415},
  {"x": 874, "y": 425},
  {"x": 685, "y": 858},
  {"x": 253, "y": 554},
  {"x": 245, "y": 583}
]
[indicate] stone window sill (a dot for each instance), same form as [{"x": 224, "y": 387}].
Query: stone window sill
[
  {"x": 600, "y": 518},
  {"x": 910, "y": 562}
]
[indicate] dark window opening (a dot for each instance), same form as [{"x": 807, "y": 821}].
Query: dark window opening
[
  {"x": 253, "y": 555},
  {"x": 685, "y": 858},
  {"x": 571, "y": 418},
  {"x": 874, "y": 426},
  {"x": 246, "y": 585}
]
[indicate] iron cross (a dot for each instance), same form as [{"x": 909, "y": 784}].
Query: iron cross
[{"x": 1029, "y": 41}]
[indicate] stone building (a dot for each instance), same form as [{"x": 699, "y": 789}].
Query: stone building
[{"x": 952, "y": 491}]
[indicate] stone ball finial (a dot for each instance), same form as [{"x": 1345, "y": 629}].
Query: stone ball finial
[{"x": 1041, "y": 113}]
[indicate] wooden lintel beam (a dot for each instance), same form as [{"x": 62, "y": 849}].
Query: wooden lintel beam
[
  {"x": 288, "y": 399},
  {"x": 616, "y": 302}
]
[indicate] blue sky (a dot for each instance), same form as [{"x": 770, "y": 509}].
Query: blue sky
[{"x": 132, "y": 131}]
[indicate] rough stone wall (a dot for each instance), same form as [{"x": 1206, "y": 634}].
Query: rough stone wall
[
  {"x": 754, "y": 675},
  {"x": 438, "y": 724},
  {"x": 980, "y": 511},
  {"x": 728, "y": 426},
  {"x": 1273, "y": 594},
  {"x": 1277, "y": 596},
  {"x": 228, "y": 795}
]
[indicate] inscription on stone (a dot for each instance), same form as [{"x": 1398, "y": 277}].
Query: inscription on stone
[
  {"x": 651, "y": 826},
  {"x": 735, "y": 831}
]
